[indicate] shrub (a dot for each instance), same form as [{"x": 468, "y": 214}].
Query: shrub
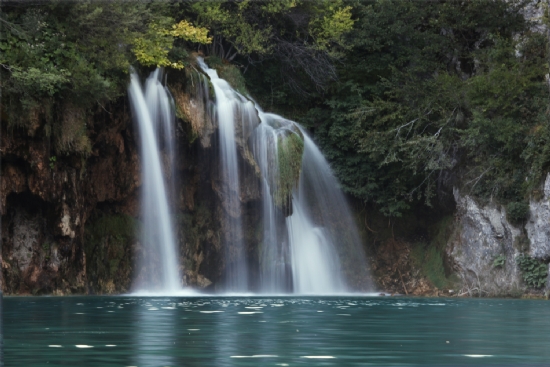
[
  {"x": 517, "y": 211},
  {"x": 534, "y": 272},
  {"x": 499, "y": 261}
]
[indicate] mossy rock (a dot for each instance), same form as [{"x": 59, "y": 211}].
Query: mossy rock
[
  {"x": 107, "y": 245},
  {"x": 290, "y": 148}
]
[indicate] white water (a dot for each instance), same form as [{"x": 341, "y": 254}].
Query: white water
[
  {"x": 230, "y": 104},
  {"x": 305, "y": 247},
  {"x": 322, "y": 223},
  {"x": 153, "y": 114},
  {"x": 307, "y": 251},
  {"x": 275, "y": 266}
]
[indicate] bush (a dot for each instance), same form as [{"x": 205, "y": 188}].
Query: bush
[
  {"x": 499, "y": 261},
  {"x": 534, "y": 272},
  {"x": 517, "y": 211}
]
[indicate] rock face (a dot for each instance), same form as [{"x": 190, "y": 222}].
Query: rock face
[
  {"x": 70, "y": 221},
  {"x": 538, "y": 225},
  {"x": 47, "y": 200},
  {"x": 482, "y": 234}
]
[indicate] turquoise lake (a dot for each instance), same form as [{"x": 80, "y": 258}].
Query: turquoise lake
[{"x": 274, "y": 331}]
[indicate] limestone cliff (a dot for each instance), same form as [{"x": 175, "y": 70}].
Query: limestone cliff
[
  {"x": 538, "y": 224},
  {"x": 486, "y": 246}
]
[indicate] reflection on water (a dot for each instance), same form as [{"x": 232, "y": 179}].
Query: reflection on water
[
  {"x": 154, "y": 333},
  {"x": 275, "y": 331}
]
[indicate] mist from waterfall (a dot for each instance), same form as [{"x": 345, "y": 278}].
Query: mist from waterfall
[{"x": 152, "y": 110}]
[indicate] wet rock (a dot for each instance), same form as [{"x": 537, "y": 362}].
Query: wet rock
[
  {"x": 202, "y": 281},
  {"x": 25, "y": 237},
  {"x": 191, "y": 95}
]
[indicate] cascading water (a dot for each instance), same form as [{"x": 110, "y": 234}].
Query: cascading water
[
  {"x": 304, "y": 251},
  {"x": 153, "y": 113},
  {"x": 310, "y": 243},
  {"x": 231, "y": 111},
  {"x": 330, "y": 241}
]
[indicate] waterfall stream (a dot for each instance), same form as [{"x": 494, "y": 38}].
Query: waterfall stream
[
  {"x": 153, "y": 113},
  {"x": 228, "y": 107},
  {"x": 309, "y": 235}
]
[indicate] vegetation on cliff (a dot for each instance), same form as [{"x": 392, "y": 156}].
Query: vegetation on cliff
[
  {"x": 61, "y": 61},
  {"x": 406, "y": 98}
]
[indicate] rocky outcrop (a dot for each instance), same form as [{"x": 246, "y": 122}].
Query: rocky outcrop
[
  {"x": 191, "y": 96},
  {"x": 46, "y": 201},
  {"x": 538, "y": 224},
  {"x": 485, "y": 245},
  {"x": 70, "y": 221},
  {"x": 483, "y": 234}
]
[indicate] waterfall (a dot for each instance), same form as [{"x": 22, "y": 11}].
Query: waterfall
[
  {"x": 324, "y": 236},
  {"x": 310, "y": 243},
  {"x": 153, "y": 113},
  {"x": 231, "y": 111}
]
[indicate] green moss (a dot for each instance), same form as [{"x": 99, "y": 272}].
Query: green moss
[
  {"x": 289, "y": 154},
  {"x": 429, "y": 260},
  {"x": 107, "y": 246},
  {"x": 430, "y": 257}
]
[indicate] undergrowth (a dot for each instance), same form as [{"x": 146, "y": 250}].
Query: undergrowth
[{"x": 429, "y": 257}]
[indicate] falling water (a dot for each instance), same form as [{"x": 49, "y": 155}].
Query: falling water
[
  {"x": 232, "y": 112},
  {"x": 153, "y": 112},
  {"x": 304, "y": 252},
  {"x": 324, "y": 236},
  {"x": 310, "y": 243}
]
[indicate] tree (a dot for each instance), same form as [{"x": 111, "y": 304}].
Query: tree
[{"x": 304, "y": 37}]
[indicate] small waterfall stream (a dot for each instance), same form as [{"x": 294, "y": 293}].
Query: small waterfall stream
[
  {"x": 153, "y": 113},
  {"x": 303, "y": 251},
  {"x": 231, "y": 110}
]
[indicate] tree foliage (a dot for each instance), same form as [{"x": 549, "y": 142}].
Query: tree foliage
[
  {"x": 304, "y": 37},
  {"x": 60, "y": 60},
  {"x": 427, "y": 100},
  {"x": 408, "y": 99},
  {"x": 152, "y": 49}
]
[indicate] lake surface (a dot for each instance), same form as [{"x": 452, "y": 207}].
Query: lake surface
[{"x": 274, "y": 331}]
